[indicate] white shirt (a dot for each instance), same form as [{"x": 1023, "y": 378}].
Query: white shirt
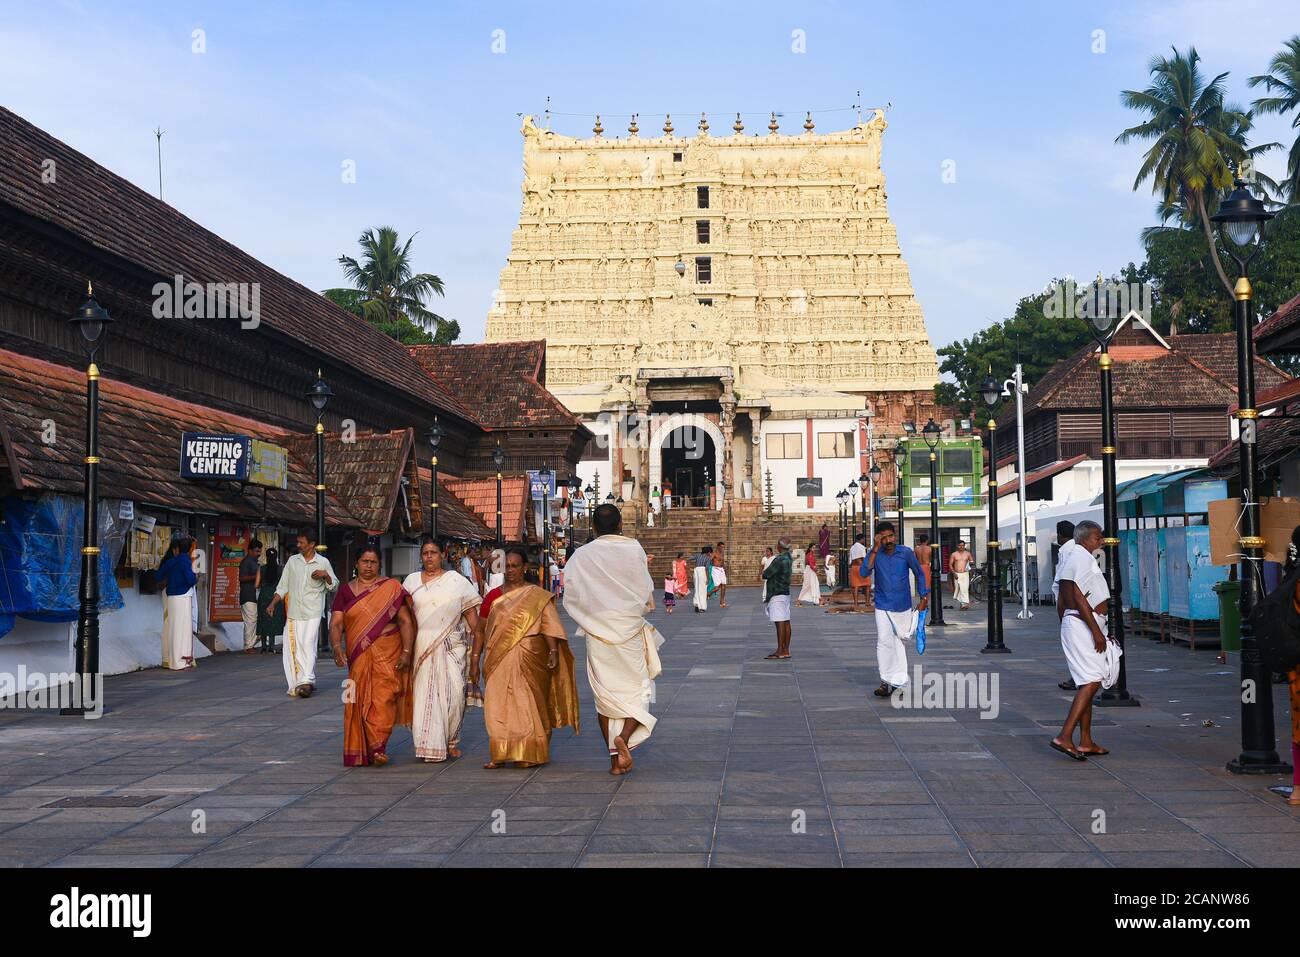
[
  {"x": 1080, "y": 567},
  {"x": 1061, "y": 554},
  {"x": 857, "y": 551}
]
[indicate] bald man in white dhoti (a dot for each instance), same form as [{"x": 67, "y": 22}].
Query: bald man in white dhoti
[{"x": 607, "y": 591}]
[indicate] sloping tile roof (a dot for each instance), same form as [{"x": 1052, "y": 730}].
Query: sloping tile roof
[
  {"x": 1276, "y": 439},
  {"x": 455, "y": 518},
  {"x": 1284, "y": 320},
  {"x": 140, "y": 441},
  {"x": 365, "y": 473},
  {"x": 111, "y": 214},
  {"x": 500, "y": 382},
  {"x": 481, "y": 496},
  {"x": 1196, "y": 371}
]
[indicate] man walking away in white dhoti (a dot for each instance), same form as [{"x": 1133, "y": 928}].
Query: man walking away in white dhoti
[
  {"x": 891, "y": 564},
  {"x": 702, "y": 562},
  {"x": 1081, "y": 604},
  {"x": 607, "y": 592},
  {"x": 307, "y": 580}
]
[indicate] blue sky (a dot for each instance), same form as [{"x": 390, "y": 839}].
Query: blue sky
[{"x": 258, "y": 126}]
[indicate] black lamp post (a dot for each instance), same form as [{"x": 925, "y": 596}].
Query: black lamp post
[
  {"x": 991, "y": 391},
  {"x": 844, "y": 555},
  {"x": 1104, "y": 326},
  {"x": 498, "y": 462},
  {"x": 544, "y": 476},
  {"x": 900, "y": 456},
  {"x": 1242, "y": 218},
  {"x": 932, "y": 433},
  {"x": 435, "y": 439},
  {"x": 853, "y": 513},
  {"x": 319, "y": 396},
  {"x": 91, "y": 319}
]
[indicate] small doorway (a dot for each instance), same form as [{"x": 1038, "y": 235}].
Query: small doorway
[{"x": 687, "y": 459}]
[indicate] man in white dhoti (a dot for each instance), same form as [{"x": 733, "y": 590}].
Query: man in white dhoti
[
  {"x": 891, "y": 565},
  {"x": 702, "y": 562},
  {"x": 607, "y": 591},
  {"x": 176, "y": 575},
  {"x": 306, "y": 581},
  {"x": 1082, "y": 603}
]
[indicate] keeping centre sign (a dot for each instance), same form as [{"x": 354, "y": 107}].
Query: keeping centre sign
[{"x": 208, "y": 456}]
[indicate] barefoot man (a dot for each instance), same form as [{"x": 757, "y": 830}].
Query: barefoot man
[
  {"x": 959, "y": 563},
  {"x": 892, "y": 565},
  {"x": 1081, "y": 604},
  {"x": 607, "y": 591}
]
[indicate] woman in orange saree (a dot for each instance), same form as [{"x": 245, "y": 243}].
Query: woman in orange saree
[
  {"x": 529, "y": 686},
  {"x": 373, "y": 614}
]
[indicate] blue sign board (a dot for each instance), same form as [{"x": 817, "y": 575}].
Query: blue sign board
[
  {"x": 206, "y": 455},
  {"x": 539, "y": 487}
]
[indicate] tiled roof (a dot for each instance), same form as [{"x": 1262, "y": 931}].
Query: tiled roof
[
  {"x": 1275, "y": 439},
  {"x": 1196, "y": 371},
  {"x": 481, "y": 496},
  {"x": 365, "y": 473},
  {"x": 140, "y": 441},
  {"x": 1283, "y": 320},
  {"x": 108, "y": 212},
  {"x": 455, "y": 518},
  {"x": 499, "y": 382}
]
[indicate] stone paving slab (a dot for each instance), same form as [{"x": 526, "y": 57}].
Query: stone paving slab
[{"x": 754, "y": 764}]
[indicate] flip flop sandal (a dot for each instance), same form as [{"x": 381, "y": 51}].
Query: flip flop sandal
[
  {"x": 1069, "y": 752},
  {"x": 772, "y": 657},
  {"x": 1097, "y": 753}
]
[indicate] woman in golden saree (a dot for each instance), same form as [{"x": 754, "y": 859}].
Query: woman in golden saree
[
  {"x": 373, "y": 614},
  {"x": 446, "y": 617},
  {"x": 529, "y": 687}
]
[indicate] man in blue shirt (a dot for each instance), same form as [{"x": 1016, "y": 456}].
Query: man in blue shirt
[
  {"x": 892, "y": 563},
  {"x": 177, "y": 577}
]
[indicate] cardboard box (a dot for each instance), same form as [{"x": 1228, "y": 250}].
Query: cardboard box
[{"x": 1278, "y": 517}]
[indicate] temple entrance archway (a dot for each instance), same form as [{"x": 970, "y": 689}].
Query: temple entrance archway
[{"x": 682, "y": 446}]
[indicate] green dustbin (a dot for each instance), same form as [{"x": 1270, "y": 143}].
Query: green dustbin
[{"x": 1229, "y": 615}]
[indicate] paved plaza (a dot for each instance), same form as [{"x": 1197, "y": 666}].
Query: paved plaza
[{"x": 754, "y": 763}]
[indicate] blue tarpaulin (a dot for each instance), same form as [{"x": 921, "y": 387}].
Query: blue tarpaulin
[{"x": 40, "y": 558}]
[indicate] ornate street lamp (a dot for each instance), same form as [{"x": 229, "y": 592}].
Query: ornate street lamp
[
  {"x": 1242, "y": 218},
  {"x": 544, "y": 476},
  {"x": 873, "y": 483},
  {"x": 932, "y": 433},
  {"x": 853, "y": 505},
  {"x": 319, "y": 396},
  {"x": 900, "y": 457},
  {"x": 1103, "y": 328},
  {"x": 91, "y": 319},
  {"x": 842, "y": 500},
  {"x": 435, "y": 439},
  {"x": 991, "y": 391},
  {"x": 498, "y": 462}
]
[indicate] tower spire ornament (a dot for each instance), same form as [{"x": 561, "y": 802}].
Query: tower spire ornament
[
  {"x": 808, "y": 123},
  {"x": 632, "y": 127},
  {"x": 704, "y": 125},
  {"x": 772, "y": 127},
  {"x": 738, "y": 126},
  {"x": 598, "y": 129},
  {"x": 668, "y": 125}
]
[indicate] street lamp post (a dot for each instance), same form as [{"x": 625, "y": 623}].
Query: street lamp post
[
  {"x": 1104, "y": 325},
  {"x": 873, "y": 483},
  {"x": 544, "y": 476},
  {"x": 435, "y": 439},
  {"x": 931, "y": 433},
  {"x": 498, "y": 461},
  {"x": 319, "y": 395},
  {"x": 900, "y": 456},
  {"x": 91, "y": 319},
  {"x": 1242, "y": 218},
  {"x": 844, "y": 555},
  {"x": 853, "y": 505},
  {"x": 991, "y": 390}
]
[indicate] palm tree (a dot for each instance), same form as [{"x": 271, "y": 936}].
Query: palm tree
[
  {"x": 1283, "y": 79},
  {"x": 1196, "y": 137},
  {"x": 386, "y": 293}
]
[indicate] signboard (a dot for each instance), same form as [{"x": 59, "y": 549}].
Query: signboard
[
  {"x": 808, "y": 487},
  {"x": 537, "y": 485},
  {"x": 229, "y": 547},
  {"x": 961, "y": 494},
  {"x": 212, "y": 456},
  {"x": 268, "y": 465},
  {"x": 126, "y": 510}
]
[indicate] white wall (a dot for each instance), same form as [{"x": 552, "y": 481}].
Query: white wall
[
  {"x": 587, "y": 471},
  {"x": 834, "y": 473},
  {"x": 129, "y": 639}
]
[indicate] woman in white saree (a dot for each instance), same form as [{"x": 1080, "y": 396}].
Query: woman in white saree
[{"x": 446, "y": 613}]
